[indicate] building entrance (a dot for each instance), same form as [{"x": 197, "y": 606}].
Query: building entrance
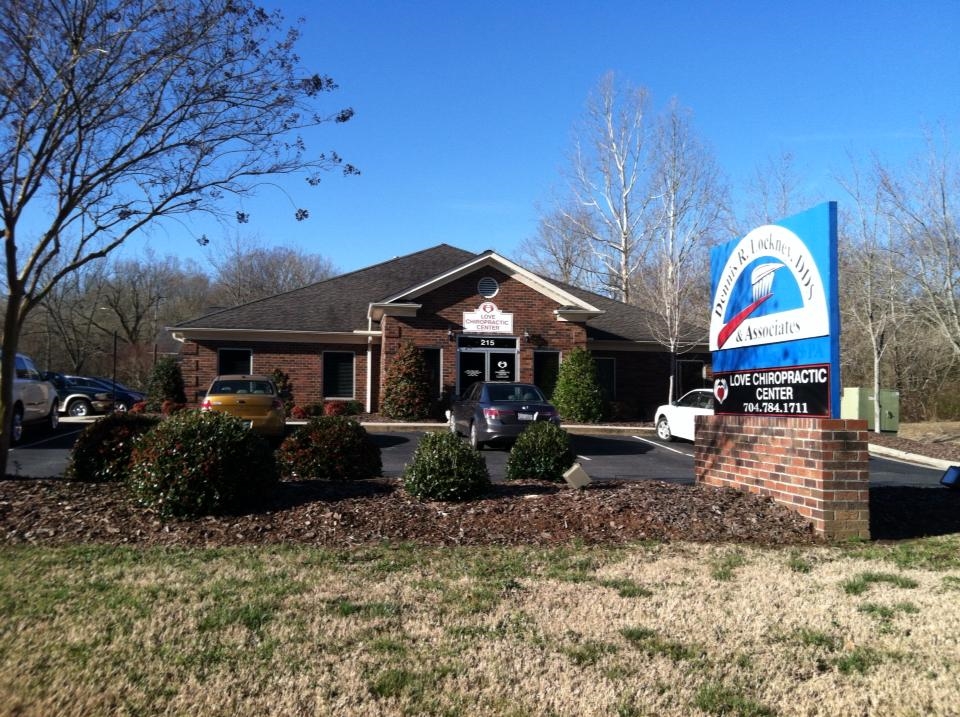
[{"x": 481, "y": 358}]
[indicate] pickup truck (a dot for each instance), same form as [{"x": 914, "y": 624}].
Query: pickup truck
[{"x": 34, "y": 400}]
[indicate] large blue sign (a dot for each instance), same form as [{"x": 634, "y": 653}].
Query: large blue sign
[{"x": 775, "y": 318}]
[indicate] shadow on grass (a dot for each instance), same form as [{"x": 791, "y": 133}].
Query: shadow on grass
[{"x": 898, "y": 513}]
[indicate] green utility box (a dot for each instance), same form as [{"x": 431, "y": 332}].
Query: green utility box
[{"x": 857, "y": 403}]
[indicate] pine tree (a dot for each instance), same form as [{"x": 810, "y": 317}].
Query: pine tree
[
  {"x": 577, "y": 395},
  {"x": 406, "y": 392}
]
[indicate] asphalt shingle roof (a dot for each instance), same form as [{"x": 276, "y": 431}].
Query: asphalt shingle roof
[
  {"x": 337, "y": 304},
  {"x": 340, "y": 304}
]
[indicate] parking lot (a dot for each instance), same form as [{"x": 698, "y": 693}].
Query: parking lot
[{"x": 630, "y": 455}]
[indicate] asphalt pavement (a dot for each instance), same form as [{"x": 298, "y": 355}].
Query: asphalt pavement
[{"x": 604, "y": 453}]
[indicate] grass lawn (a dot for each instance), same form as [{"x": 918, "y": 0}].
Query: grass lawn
[{"x": 654, "y": 629}]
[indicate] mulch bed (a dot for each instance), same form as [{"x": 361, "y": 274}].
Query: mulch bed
[{"x": 58, "y": 512}]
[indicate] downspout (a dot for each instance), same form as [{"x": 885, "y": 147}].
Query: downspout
[{"x": 369, "y": 406}]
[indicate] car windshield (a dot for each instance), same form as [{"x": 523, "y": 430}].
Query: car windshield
[
  {"x": 507, "y": 393},
  {"x": 241, "y": 386}
]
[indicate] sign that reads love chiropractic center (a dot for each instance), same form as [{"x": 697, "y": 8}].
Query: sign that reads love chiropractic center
[
  {"x": 775, "y": 319},
  {"x": 488, "y": 319}
]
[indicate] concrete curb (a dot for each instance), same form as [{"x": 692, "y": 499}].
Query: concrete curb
[{"x": 908, "y": 457}]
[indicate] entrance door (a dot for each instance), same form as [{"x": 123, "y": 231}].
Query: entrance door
[
  {"x": 502, "y": 366},
  {"x": 485, "y": 359},
  {"x": 473, "y": 368}
]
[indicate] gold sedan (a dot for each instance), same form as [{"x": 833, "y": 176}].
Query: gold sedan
[{"x": 253, "y": 399}]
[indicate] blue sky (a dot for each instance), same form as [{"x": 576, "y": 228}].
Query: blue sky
[{"x": 465, "y": 110}]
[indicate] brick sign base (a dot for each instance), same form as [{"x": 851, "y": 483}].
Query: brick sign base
[{"x": 814, "y": 466}]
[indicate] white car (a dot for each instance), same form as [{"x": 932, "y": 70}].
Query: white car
[
  {"x": 34, "y": 400},
  {"x": 677, "y": 419}
]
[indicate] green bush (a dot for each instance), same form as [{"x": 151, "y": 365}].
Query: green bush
[
  {"x": 201, "y": 463},
  {"x": 330, "y": 448},
  {"x": 445, "y": 468},
  {"x": 102, "y": 451},
  {"x": 541, "y": 452},
  {"x": 577, "y": 395},
  {"x": 165, "y": 385},
  {"x": 406, "y": 391}
]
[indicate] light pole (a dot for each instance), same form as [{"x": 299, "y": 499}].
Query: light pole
[{"x": 114, "y": 378}]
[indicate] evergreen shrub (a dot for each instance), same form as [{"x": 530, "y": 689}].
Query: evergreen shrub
[
  {"x": 199, "y": 464},
  {"x": 101, "y": 453},
  {"x": 330, "y": 448},
  {"x": 165, "y": 385},
  {"x": 445, "y": 468},
  {"x": 406, "y": 391},
  {"x": 541, "y": 452},
  {"x": 577, "y": 394}
]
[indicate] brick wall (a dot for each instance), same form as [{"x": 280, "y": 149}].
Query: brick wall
[
  {"x": 443, "y": 311},
  {"x": 814, "y": 466},
  {"x": 303, "y": 363}
]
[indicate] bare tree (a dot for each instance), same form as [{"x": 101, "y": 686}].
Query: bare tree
[
  {"x": 774, "y": 191},
  {"x": 684, "y": 222},
  {"x": 119, "y": 113},
  {"x": 69, "y": 315},
  {"x": 872, "y": 282},
  {"x": 924, "y": 209},
  {"x": 609, "y": 181},
  {"x": 248, "y": 272},
  {"x": 561, "y": 248}
]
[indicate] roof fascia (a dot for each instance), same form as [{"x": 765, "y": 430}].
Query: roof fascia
[
  {"x": 378, "y": 309},
  {"x": 293, "y": 337}
]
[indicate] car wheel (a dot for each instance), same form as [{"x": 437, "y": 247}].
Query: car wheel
[
  {"x": 663, "y": 429},
  {"x": 79, "y": 408},
  {"x": 16, "y": 425},
  {"x": 475, "y": 441},
  {"x": 53, "y": 418}
]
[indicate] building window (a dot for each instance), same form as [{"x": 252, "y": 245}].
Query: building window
[
  {"x": 546, "y": 368},
  {"x": 607, "y": 377},
  {"x": 338, "y": 374},
  {"x": 431, "y": 358},
  {"x": 234, "y": 361}
]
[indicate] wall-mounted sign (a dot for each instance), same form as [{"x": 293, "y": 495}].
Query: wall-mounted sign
[
  {"x": 488, "y": 319},
  {"x": 775, "y": 318}
]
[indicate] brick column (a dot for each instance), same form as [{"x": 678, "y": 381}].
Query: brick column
[{"x": 814, "y": 466}]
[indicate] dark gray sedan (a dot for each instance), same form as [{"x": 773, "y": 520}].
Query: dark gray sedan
[{"x": 491, "y": 412}]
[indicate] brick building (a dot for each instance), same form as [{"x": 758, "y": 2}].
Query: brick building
[{"x": 474, "y": 316}]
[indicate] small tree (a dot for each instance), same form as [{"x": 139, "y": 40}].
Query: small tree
[
  {"x": 577, "y": 395},
  {"x": 166, "y": 384},
  {"x": 284, "y": 385},
  {"x": 406, "y": 393}
]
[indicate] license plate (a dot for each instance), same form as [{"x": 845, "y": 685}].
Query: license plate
[{"x": 524, "y": 416}]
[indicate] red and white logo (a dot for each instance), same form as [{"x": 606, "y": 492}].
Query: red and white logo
[
  {"x": 768, "y": 256},
  {"x": 721, "y": 390}
]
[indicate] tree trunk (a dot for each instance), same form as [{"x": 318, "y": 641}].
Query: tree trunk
[{"x": 11, "y": 339}]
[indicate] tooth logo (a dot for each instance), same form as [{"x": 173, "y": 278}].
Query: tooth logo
[{"x": 768, "y": 291}]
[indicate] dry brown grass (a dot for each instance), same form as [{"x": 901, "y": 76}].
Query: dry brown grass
[{"x": 675, "y": 629}]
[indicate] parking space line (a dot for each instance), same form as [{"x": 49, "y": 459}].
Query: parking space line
[
  {"x": 660, "y": 445},
  {"x": 584, "y": 458}
]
